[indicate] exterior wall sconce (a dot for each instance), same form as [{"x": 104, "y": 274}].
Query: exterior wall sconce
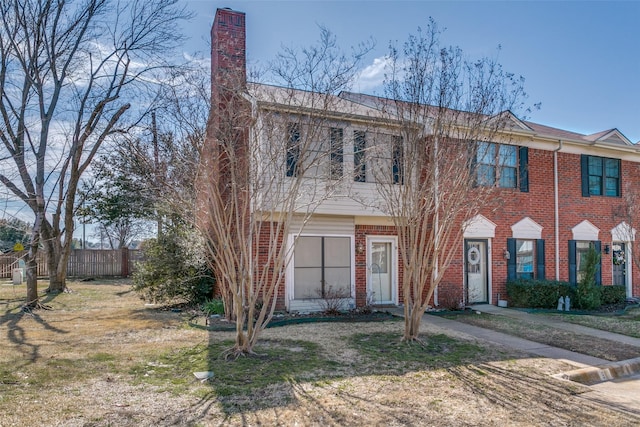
[
  {"x": 506, "y": 254},
  {"x": 607, "y": 248},
  {"x": 360, "y": 248}
]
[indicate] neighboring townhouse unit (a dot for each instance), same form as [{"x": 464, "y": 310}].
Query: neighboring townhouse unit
[{"x": 559, "y": 193}]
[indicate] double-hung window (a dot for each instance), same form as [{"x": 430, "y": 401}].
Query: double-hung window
[
  {"x": 335, "y": 152},
  {"x": 526, "y": 259},
  {"x": 293, "y": 148},
  {"x": 359, "y": 160},
  {"x": 497, "y": 165},
  {"x": 578, "y": 250},
  {"x": 600, "y": 176},
  {"x": 397, "y": 159}
]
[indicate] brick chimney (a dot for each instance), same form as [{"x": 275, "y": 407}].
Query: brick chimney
[{"x": 228, "y": 54}]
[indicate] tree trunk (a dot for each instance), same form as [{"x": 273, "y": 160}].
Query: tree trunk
[
  {"x": 32, "y": 278},
  {"x": 57, "y": 258},
  {"x": 412, "y": 320}
]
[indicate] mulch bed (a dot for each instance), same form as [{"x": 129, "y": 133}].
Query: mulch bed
[{"x": 284, "y": 319}]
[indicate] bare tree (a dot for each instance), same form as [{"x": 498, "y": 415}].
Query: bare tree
[
  {"x": 267, "y": 169},
  {"x": 69, "y": 72},
  {"x": 445, "y": 108}
]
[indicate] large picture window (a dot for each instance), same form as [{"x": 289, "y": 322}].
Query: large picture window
[
  {"x": 322, "y": 267},
  {"x": 600, "y": 176}
]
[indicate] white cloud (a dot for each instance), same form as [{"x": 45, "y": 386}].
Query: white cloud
[{"x": 372, "y": 76}]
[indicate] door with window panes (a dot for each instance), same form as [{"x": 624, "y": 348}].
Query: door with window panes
[{"x": 476, "y": 267}]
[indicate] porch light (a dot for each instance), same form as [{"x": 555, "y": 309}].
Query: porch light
[
  {"x": 360, "y": 248},
  {"x": 506, "y": 254},
  {"x": 607, "y": 249}
]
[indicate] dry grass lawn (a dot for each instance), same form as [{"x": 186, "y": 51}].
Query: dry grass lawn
[{"x": 101, "y": 357}]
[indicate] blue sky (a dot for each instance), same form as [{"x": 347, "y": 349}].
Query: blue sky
[{"x": 580, "y": 59}]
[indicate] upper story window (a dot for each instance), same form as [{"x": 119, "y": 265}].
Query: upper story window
[
  {"x": 359, "y": 160},
  {"x": 293, "y": 148},
  {"x": 497, "y": 165},
  {"x": 600, "y": 176},
  {"x": 397, "y": 160},
  {"x": 336, "y": 152}
]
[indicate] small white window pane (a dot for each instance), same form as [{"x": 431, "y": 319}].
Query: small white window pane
[
  {"x": 337, "y": 252},
  {"x": 308, "y": 252},
  {"x": 338, "y": 279},
  {"x": 508, "y": 178},
  {"x": 508, "y": 156},
  {"x": 307, "y": 283}
]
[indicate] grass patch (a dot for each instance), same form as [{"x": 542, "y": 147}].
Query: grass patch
[
  {"x": 433, "y": 351},
  {"x": 585, "y": 344},
  {"x": 242, "y": 383},
  {"x": 625, "y": 324}
]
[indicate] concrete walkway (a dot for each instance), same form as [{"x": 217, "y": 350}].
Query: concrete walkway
[
  {"x": 577, "y": 359},
  {"x": 557, "y": 323},
  {"x": 614, "y": 383}
]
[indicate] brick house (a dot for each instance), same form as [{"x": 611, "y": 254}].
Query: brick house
[{"x": 562, "y": 193}]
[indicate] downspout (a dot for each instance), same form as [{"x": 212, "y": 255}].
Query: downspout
[{"x": 556, "y": 209}]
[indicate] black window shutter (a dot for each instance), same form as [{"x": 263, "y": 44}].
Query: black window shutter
[
  {"x": 523, "y": 158},
  {"x": 511, "y": 262},
  {"x": 540, "y": 272},
  {"x": 473, "y": 162},
  {"x": 598, "y": 245},
  {"x": 584, "y": 170},
  {"x": 572, "y": 262}
]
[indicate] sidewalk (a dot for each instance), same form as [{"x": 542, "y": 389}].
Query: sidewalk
[
  {"x": 558, "y": 324},
  {"x": 614, "y": 383},
  {"x": 577, "y": 359}
]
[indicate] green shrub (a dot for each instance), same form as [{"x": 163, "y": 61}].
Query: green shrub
[
  {"x": 613, "y": 294},
  {"x": 213, "y": 306},
  {"x": 587, "y": 292},
  {"x": 538, "y": 293},
  {"x": 173, "y": 269}
]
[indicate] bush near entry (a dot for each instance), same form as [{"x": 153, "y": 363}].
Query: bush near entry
[
  {"x": 529, "y": 293},
  {"x": 613, "y": 295}
]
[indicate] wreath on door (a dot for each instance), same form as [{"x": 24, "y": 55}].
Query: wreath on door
[
  {"x": 618, "y": 257},
  {"x": 473, "y": 256}
]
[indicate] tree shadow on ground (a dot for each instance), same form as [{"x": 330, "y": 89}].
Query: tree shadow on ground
[
  {"x": 15, "y": 321},
  {"x": 273, "y": 379}
]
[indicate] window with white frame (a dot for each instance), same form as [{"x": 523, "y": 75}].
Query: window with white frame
[
  {"x": 497, "y": 165},
  {"x": 322, "y": 267}
]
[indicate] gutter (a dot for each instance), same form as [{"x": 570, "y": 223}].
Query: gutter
[{"x": 556, "y": 209}]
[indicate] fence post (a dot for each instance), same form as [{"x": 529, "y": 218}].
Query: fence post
[{"x": 125, "y": 262}]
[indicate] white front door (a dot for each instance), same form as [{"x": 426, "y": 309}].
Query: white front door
[
  {"x": 381, "y": 284},
  {"x": 476, "y": 262}
]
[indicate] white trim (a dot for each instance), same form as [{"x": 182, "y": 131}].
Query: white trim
[
  {"x": 310, "y": 304},
  {"x": 624, "y": 233},
  {"x": 585, "y": 231},
  {"x": 526, "y": 228},
  {"x": 479, "y": 227},
  {"x": 394, "y": 264},
  {"x": 489, "y": 272}
]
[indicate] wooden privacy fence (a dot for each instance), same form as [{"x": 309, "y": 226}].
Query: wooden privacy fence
[{"x": 82, "y": 263}]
